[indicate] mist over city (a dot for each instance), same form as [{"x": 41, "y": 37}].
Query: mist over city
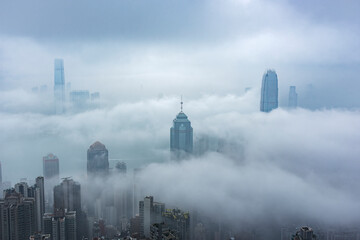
[{"x": 188, "y": 120}]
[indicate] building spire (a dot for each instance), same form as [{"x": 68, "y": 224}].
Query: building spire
[{"x": 181, "y": 104}]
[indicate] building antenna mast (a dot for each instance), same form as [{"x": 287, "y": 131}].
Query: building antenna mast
[{"x": 181, "y": 103}]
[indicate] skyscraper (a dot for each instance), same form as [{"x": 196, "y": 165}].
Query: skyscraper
[
  {"x": 269, "y": 91},
  {"x": 59, "y": 86},
  {"x": 22, "y": 188},
  {"x": 181, "y": 136},
  {"x": 51, "y": 167},
  {"x": 97, "y": 160},
  {"x": 292, "y": 97},
  {"x": 67, "y": 195}
]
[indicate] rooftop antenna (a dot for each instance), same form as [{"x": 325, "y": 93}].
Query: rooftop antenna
[{"x": 181, "y": 103}]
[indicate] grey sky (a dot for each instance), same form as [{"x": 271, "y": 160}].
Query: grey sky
[{"x": 148, "y": 48}]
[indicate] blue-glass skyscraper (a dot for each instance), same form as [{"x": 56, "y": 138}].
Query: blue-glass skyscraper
[
  {"x": 181, "y": 136},
  {"x": 59, "y": 86},
  {"x": 269, "y": 91}
]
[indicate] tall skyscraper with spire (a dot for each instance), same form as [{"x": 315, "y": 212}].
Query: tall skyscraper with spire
[
  {"x": 292, "y": 97},
  {"x": 269, "y": 91},
  {"x": 59, "y": 86},
  {"x": 181, "y": 136}
]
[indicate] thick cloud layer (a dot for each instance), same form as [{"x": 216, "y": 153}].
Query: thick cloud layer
[{"x": 286, "y": 164}]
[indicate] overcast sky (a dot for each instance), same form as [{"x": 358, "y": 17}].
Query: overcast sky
[
  {"x": 142, "y": 55},
  {"x": 140, "y": 49}
]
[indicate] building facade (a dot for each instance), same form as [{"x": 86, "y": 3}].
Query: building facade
[
  {"x": 179, "y": 222},
  {"x": 269, "y": 91},
  {"x": 150, "y": 213},
  {"x": 67, "y": 195},
  {"x": 160, "y": 231},
  {"x": 61, "y": 225},
  {"x": 80, "y": 99},
  {"x": 17, "y": 216}
]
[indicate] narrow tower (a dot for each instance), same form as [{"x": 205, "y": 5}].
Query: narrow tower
[{"x": 59, "y": 86}]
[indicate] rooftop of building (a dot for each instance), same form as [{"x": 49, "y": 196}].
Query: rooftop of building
[
  {"x": 97, "y": 146},
  {"x": 50, "y": 156},
  {"x": 176, "y": 214},
  {"x": 181, "y": 117}
]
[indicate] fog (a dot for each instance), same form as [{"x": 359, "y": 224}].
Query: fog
[
  {"x": 290, "y": 165},
  {"x": 297, "y": 164}
]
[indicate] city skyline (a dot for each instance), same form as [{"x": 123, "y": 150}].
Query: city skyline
[{"x": 271, "y": 153}]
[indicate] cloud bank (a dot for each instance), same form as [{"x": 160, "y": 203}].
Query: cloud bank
[{"x": 296, "y": 164}]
